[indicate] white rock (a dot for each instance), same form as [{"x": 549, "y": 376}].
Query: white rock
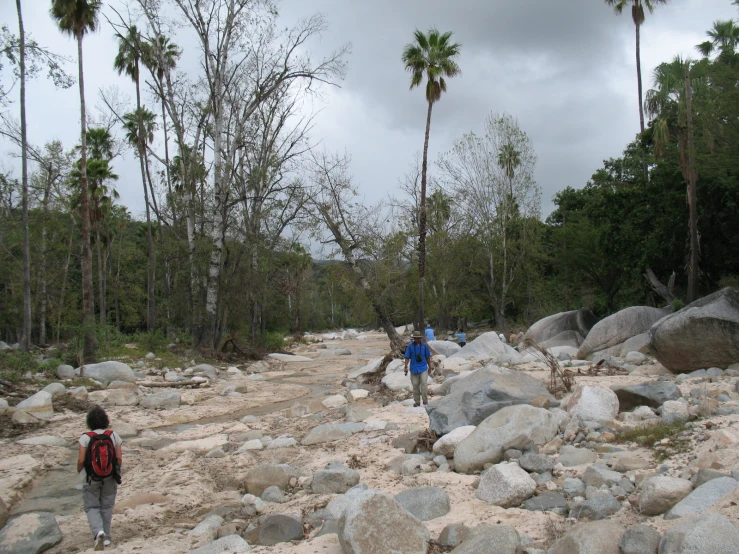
[
  {"x": 334, "y": 401},
  {"x": 674, "y": 411},
  {"x": 3, "y": 405},
  {"x": 358, "y": 394},
  {"x": 635, "y": 358},
  {"x": 505, "y": 485},
  {"x": 285, "y": 442},
  {"x": 593, "y": 402},
  {"x": 661, "y": 493},
  {"x": 394, "y": 366},
  {"x": 289, "y": 358},
  {"x": 254, "y": 444},
  {"x": 55, "y": 389},
  {"x": 39, "y": 405},
  {"x": 447, "y": 444},
  {"x": 374, "y": 425}
]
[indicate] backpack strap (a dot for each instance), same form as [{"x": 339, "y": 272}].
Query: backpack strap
[
  {"x": 109, "y": 433},
  {"x": 91, "y": 434}
]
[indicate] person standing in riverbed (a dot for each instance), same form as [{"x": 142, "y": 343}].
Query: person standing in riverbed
[
  {"x": 418, "y": 354},
  {"x": 100, "y": 456}
]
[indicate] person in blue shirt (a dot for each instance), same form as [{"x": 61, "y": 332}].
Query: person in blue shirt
[
  {"x": 461, "y": 337},
  {"x": 418, "y": 354},
  {"x": 429, "y": 332}
]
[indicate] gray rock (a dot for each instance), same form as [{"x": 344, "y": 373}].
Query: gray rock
[
  {"x": 282, "y": 442},
  {"x": 339, "y": 503},
  {"x": 273, "y": 494},
  {"x": 702, "y": 498},
  {"x": 231, "y": 544},
  {"x": 549, "y": 501},
  {"x": 597, "y": 507},
  {"x": 651, "y": 393},
  {"x": 30, "y": 533},
  {"x": 573, "y": 486},
  {"x": 570, "y": 456},
  {"x": 706, "y": 474},
  {"x": 107, "y": 372},
  {"x": 263, "y": 476},
  {"x": 374, "y": 522},
  {"x": 4, "y": 513},
  {"x": 598, "y": 475},
  {"x": 481, "y": 394},
  {"x": 596, "y": 537},
  {"x": 407, "y": 464},
  {"x": 444, "y": 347},
  {"x": 335, "y": 478},
  {"x": 661, "y": 493},
  {"x": 640, "y": 539},
  {"x": 454, "y": 534},
  {"x": 164, "y": 400},
  {"x": 618, "y": 328},
  {"x": 579, "y": 321},
  {"x": 487, "y": 347},
  {"x": 55, "y": 389},
  {"x": 447, "y": 444},
  {"x": 123, "y": 397},
  {"x": 703, "y": 334},
  {"x": 486, "y": 443},
  {"x": 425, "y": 503},
  {"x": 38, "y": 405},
  {"x": 327, "y": 432},
  {"x": 593, "y": 403},
  {"x": 44, "y": 440},
  {"x": 274, "y": 529},
  {"x": 699, "y": 534},
  {"x": 538, "y": 463},
  {"x": 505, "y": 485},
  {"x": 204, "y": 369},
  {"x": 674, "y": 411},
  {"x": 635, "y": 357},
  {"x": 491, "y": 539},
  {"x": 66, "y": 372}
]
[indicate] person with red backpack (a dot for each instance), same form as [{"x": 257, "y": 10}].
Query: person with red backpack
[{"x": 100, "y": 456}]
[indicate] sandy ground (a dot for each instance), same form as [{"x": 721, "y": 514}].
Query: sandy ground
[{"x": 166, "y": 492}]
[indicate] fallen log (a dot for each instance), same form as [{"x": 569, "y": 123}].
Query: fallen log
[{"x": 176, "y": 384}]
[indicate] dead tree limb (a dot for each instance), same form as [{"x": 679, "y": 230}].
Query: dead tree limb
[{"x": 666, "y": 292}]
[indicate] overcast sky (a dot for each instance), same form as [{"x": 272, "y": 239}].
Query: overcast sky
[{"x": 566, "y": 70}]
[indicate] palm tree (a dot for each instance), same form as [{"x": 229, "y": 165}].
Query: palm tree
[
  {"x": 76, "y": 18},
  {"x": 434, "y": 57},
  {"x": 638, "y": 15},
  {"x": 130, "y": 52},
  {"x": 724, "y": 36},
  {"x": 670, "y": 103}
]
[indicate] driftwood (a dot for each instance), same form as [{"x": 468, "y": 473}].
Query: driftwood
[
  {"x": 558, "y": 379},
  {"x": 666, "y": 292},
  {"x": 188, "y": 383}
]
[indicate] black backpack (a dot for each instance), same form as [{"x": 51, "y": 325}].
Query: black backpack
[{"x": 100, "y": 459}]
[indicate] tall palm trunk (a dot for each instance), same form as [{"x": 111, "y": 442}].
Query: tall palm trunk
[
  {"x": 88, "y": 302},
  {"x": 641, "y": 97},
  {"x": 26, "y": 334},
  {"x": 101, "y": 278},
  {"x": 151, "y": 311},
  {"x": 692, "y": 193},
  {"x": 43, "y": 294},
  {"x": 422, "y": 222}
]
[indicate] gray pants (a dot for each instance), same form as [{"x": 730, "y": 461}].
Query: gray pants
[
  {"x": 98, "y": 498},
  {"x": 420, "y": 386}
]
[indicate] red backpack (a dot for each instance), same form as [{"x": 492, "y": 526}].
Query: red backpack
[{"x": 100, "y": 458}]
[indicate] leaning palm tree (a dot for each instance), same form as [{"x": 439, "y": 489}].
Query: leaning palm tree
[
  {"x": 724, "y": 37},
  {"x": 130, "y": 52},
  {"x": 638, "y": 15},
  {"x": 432, "y": 56},
  {"x": 670, "y": 104},
  {"x": 77, "y": 18}
]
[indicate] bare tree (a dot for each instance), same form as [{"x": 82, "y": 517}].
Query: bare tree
[
  {"x": 493, "y": 176},
  {"x": 353, "y": 228}
]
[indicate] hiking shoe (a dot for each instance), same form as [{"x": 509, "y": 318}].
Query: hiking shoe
[
  {"x": 99, "y": 541},
  {"x": 416, "y": 404},
  {"x": 106, "y": 543},
  {"x": 426, "y": 403}
]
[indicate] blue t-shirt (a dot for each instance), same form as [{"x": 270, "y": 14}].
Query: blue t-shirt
[
  {"x": 461, "y": 337},
  {"x": 430, "y": 334},
  {"x": 422, "y": 350}
]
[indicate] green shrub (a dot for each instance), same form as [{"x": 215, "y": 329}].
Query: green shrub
[
  {"x": 677, "y": 305},
  {"x": 273, "y": 341},
  {"x": 14, "y": 363}
]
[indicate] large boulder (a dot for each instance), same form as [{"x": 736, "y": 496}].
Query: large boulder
[
  {"x": 661, "y": 493},
  {"x": 596, "y": 537},
  {"x": 374, "y": 522},
  {"x": 558, "y": 325},
  {"x": 505, "y": 485},
  {"x": 640, "y": 539},
  {"x": 593, "y": 403},
  {"x": 485, "y": 445},
  {"x": 480, "y": 394},
  {"x": 651, "y": 393},
  {"x": 565, "y": 339},
  {"x": 491, "y": 539},
  {"x": 66, "y": 372},
  {"x": 701, "y": 533},
  {"x": 447, "y": 444},
  {"x": 487, "y": 347},
  {"x": 274, "y": 529},
  {"x": 702, "y": 498},
  {"x": 703, "y": 334},
  {"x": 107, "y": 372},
  {"x": 425, "y": 503},
  {"x": 618, "y": 328},
  {"x": 165, "y": 400},
  {"x": 335, "y": 478},
  {"x": 39, "y": 405},
  {"x": 30, "y": 533},
  {"x": 444, "y": 347},
  {"x": 263, "y": 476}
]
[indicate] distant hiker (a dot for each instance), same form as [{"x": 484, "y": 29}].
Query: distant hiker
[
  {"x": 429, "y": 332},
  {"x": 100, "y": 456},
  {"x": 461, "y": 337},
  {"x": 419, "y": 355},
  {"x": 502, "y": 338}
]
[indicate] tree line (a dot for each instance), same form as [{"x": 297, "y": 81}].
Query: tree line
[{"x": 238, "y": 199}]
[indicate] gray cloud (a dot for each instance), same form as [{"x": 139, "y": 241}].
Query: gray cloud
[{"x": 564, "y": 69}]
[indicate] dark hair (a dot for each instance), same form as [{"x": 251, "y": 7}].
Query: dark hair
[{"x": 97, "y": 419}]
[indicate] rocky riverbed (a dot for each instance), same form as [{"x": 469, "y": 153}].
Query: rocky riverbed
[{"x": 310, "y": 454}]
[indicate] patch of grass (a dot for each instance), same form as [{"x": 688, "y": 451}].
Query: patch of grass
[
  {"x": 14, "y": 363},
  {"x": 652, "y": 436}
]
